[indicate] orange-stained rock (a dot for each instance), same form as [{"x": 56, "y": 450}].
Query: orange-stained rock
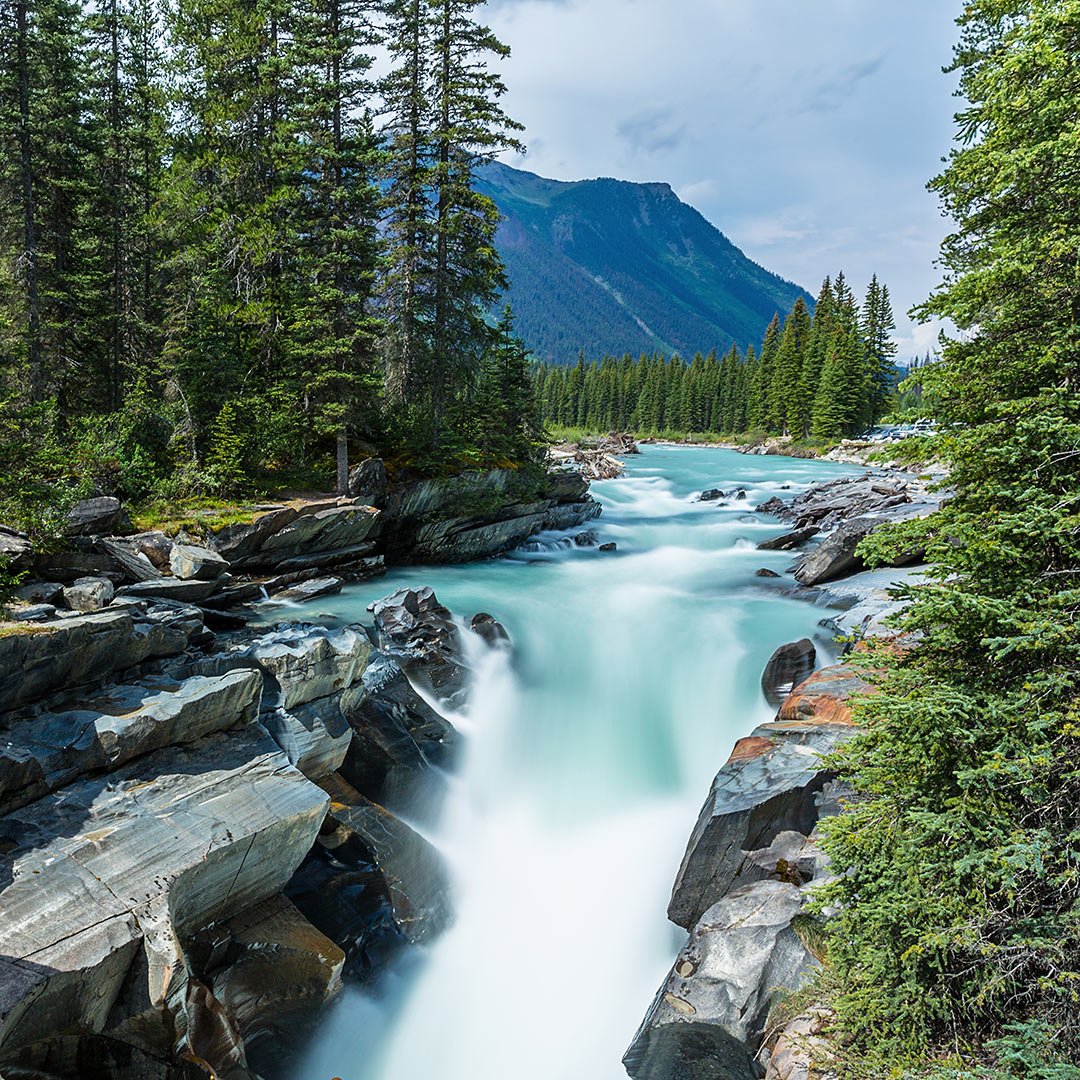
[
  {"x": 749, "y": 748},
  {"x": 824, "y": 698}
]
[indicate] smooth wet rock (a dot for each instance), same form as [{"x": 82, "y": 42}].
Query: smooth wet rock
[
  {"x": 765, "y": 572},
  {"x": 572, "y": 514},
  {"x": 489, "y": 628},
  {"x": 786, "y": 668},
  {"x": 310, "y": 590},
  {"x": 89, "y": 594},
  {"x": 608, "y": 547},
  {"x": 420, "y": 633},
  {"x": 585, "y": 539},
  {"x": 397, "y": 737},
  {"x": 315, "y": 735},
  {"x": 711, "y": 495},
  {"x": 191, "y": 562},
  {"x": 772, "y": 783},
  {"x": 788, "y": 540},
  {"x": 94, "y": 517},
  {"x": 281, "y": 971},
  {"x": 709, "y": 1017},
  {"x": 825, "y": 697},
  {"x": 368, "y": 482}
]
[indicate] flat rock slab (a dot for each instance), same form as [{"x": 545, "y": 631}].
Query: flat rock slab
[
  {"x": 42, "y": 751},
  {"x": 134, "y": 863},
  {"x": 708, "y": 1019},
  {"x": 310, "y": 590},
  {"x": 171, "y": 588},
  {"x": 825, "y": 697}
]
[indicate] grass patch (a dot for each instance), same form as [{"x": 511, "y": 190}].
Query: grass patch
[
  {"x": 199, "y": 517},
  {"x": 19, "y": 629}
]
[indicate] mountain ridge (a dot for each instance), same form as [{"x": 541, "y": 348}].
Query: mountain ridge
[{"x": 611, "y": 266}]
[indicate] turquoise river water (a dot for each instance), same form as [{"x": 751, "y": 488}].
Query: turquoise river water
[{"x": 589, "y": 754}]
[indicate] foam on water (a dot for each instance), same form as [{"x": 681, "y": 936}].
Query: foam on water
[{"x": 589, "y": 753}]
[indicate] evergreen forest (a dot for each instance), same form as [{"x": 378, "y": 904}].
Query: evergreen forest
[
  {"x": 821, "y": 376},
  {"x": 233, "y": 256}
]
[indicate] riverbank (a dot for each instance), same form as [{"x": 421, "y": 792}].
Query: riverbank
[{"x": 744, "y": 888}]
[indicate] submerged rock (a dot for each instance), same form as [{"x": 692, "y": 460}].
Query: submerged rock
[{"x": 489, "y": 628}]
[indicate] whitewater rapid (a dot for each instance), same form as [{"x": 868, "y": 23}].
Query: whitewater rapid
[{"x": 590, "y": 749}]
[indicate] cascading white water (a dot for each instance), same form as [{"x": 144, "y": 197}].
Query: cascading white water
[{"x": 590, "y": 751}]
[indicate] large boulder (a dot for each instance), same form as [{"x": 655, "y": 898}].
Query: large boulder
[
  {"x": 42, "y": 751},
  {"x": 566, "y": 485},
  {"x": 710, "y": 1014},
  {"x": 397, "y": 737},
  {"x": 191, "y": 562},
  {"x": 825, "y": 697},
  {"x": 835, "y": 556},
  {"x": 368, "y": 482},
  {"x": 773, "y": 783},
  {"x": 373, "y": 884},
  {"x": 102, "y": 883},
  {"x": 171, "y": 588},
  {"x": 89, "y": 594},
  {"x": 280, "y": 971},
  {"x": 418, "y": 632},
  {"x": 786, "y": 668},
  {"x": 96, "y": 517}
]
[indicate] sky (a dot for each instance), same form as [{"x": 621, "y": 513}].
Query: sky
[{"x": 806, "y": 132}]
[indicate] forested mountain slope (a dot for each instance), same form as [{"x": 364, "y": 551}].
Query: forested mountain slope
[{"x": 611, "y": 267}]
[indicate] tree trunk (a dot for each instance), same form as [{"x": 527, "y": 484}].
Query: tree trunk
[{"x": 342, "y": 461}]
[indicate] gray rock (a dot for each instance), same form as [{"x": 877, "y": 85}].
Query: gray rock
[
  {"x": 89, "y": 594},
  {"x": 608, "y": 547},
  {"x": 414, "y": 873},
  {"x": 41, "y": 592},
  {"x": 836, "y": 556},
  {"x": 281, "y": 970},
  {"x": 315, "y": 735},
  {"x": 171, "y": 588},
  {"x": 765, "y": 572},
  {"x": 420, "y": 633},
  {"x": 709, "y": 1017},
  {"x": 132, "y": 564},
  {"x": 368, "y": 482},
  {"x": 773, "y": 783},
  {"x": 236, "y": 542},
  {"x": 310, "y": 590},
  {"x": 397, "y": 737},
  {"x": 570, "y": 515},
  {"x": 32, "y": 613},
  {"x": 101, "y": 883},
  {"x": 788, "y": 540},
  {"x": 786, "y": 668},
  {"x": 327, "y": 530},
  {"x": 41, "y": 752},
  {"x": 566, "y": 485},
  {"x": 190, "y": 562},
  {"x": 84, "y": 648},
  {"x": 712, "y": 495},
  {"x": 95, "y": 517},
  {"x": 802, "y": 1050},
  {"x": 15, "y": 549}
]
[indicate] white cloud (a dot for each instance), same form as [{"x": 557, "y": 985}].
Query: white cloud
[{"x": 805, "y": 132}]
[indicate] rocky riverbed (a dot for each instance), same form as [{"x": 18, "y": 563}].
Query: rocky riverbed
[
  {"x": 193, "y": 848},
  {"x": 753, "y": 858}
]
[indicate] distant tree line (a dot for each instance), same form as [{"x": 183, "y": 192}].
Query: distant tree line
[
  {"x": 228, "y": 249},
  {"x": 822, "y": 376}
]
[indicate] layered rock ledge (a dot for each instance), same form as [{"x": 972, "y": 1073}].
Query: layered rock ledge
[{"x": 195, "y": 845}]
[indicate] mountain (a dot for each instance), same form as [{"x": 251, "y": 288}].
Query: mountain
[{"x": 611, "y": 267}]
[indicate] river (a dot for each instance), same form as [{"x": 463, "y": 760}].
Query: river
[{"x": 589, "y": 755}]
